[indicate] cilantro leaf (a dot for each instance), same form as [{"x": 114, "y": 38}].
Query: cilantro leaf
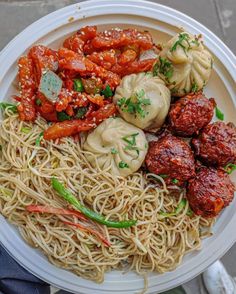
[
  {"x": 135, "y": 105},
  {"x": 182, "y": 37},
  {"x": 123, "y": 164}
]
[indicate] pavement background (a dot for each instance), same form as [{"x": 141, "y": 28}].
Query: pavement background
[{"x": 218, "y": 15}]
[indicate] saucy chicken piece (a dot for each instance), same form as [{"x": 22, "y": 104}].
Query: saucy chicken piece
[
  {"x": 26, "y": 107},
  {"x": 172, "y": 159},
  {"x": 76, "y": 62},
  {"x": 190, "y": 114},
  {"x": 106, "y": 58},
  {"x": 216, "y": 144},
  {"x": 76, "y": 41},
  {"x": 43, "y": 59},
  {"x": 133, "y": 67},
  {"x": 117, "y": 38},
  {"x": 74, "y": 126},
  {"x": 210, "y": 191}
]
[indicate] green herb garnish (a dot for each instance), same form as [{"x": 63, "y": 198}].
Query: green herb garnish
[
  {"x": 26, "y": 130},
  {"x": 38, "y": 102},
  {"x": 114, "y": 151},
  {"x": 81, "y": 112},
  {"x": 61, "y": 116},
  {"x": 189, "y": 212},
  {"x": 178, "y": 209},
  {"x": 9, "y": 106},
  {"x": 78, "y": 85},
  {"x": 38, "y": 140},
  {"x": 195, "y": 41},
  {"x": 229, "y": 168},
  {"x": 164, "y": 67},
  {"x": 107, "y": 92},
  {"x": 194, "y": 88},
  {"x": 175, "y": 181},
  {"x": 123, "y": 164},
  {"x": 131, "y": 139},
  {"x": 136, "y": 104},
  {"x": 163, "y": 176},
  {"x": 219, "y": 114},
  {"x": 179, "y": 42}
]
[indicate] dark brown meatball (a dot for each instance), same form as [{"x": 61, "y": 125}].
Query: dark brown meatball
[
  {"x": 216, "y": 145},
  {"x": 190, "y": 114},
  {"x": 172, "y": 158},
  {"x": 210, "y": 191}
]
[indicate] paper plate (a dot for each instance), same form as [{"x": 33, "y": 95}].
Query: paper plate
[{"x": 162, "y": 22}]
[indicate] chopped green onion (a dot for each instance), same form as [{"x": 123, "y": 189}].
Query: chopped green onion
[
  {"x": 181, "y": 206},
  {"x": 38, "y": 102},
  {"x": 219, "y": 114},
  {"x": 107, "y": 92},
  {"x": 114, "y": 151},
  {"x": 61, "y": 116},
  {"x": 163, "y": 176},
  {"x": 38, "y": 140},
  {"x": 9, "y": 106},
  {"x": 50, "y": 85},
  {"x": 189, "y": 212},
  {"x": 131, "y": 141},
  {"x": 178, "y": 209},
  {"x": 123, "y": 164},
  {"x": 229, "y": 168},
  {"x": 175, "y": 181},
  {"x": 26, "y": 130},
  {"x": 81, "y": 112},
  {"x": 182, "y": 37},
  {"x": 194, "y": 88},
  {"x": 78, "y": 85}
]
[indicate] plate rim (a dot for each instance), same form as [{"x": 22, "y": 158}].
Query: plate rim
[{"x": 62, "y": 14}]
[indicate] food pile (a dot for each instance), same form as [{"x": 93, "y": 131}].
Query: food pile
[{"x": 96, "y": 76}]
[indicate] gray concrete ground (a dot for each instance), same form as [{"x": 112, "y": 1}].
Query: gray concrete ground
[{"x": 218, "y": 15}]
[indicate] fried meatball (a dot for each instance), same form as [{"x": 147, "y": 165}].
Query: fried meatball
[
  {"x": 210, "y": 191},
  {"x": 216, "y": 145},
  {"x": 172, "y": 158},
  {"x": 190, "y": 114}
]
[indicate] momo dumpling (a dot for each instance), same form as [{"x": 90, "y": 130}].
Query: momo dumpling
[
  {"x": 143, "y": 100},
  {"x": 184, "y": 64},
  {"x": 117, "y": 146}
]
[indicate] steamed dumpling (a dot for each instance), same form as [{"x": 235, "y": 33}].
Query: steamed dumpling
[
  {"x": 143, "y": 100},
  {"x": 184, "y": 64},
  {"x": 118, "y": 145}
]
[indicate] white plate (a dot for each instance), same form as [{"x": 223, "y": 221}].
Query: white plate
[{"x": 162, "y": 23}]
